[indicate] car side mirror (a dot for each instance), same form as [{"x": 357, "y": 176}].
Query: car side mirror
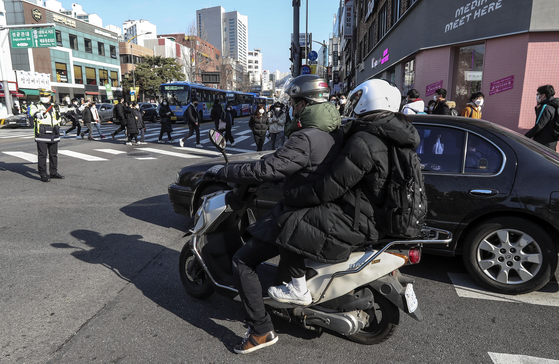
[{"x": 218, "y": 140}]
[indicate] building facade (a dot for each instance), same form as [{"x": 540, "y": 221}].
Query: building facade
[
  {"x": 137, "y": 31},
  {"x": 503, "y": 48},
  {"x": 84, "y": 62}
]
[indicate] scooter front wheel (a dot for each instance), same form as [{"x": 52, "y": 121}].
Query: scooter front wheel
[
  {"x": 384, "y": 316},
  {"x": 193, "y": 277}
]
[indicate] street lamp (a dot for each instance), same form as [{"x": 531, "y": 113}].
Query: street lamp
[{"x": 133, "y": 66}]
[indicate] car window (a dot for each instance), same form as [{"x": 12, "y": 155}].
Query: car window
[
  {"x": 482, "y": 156},
  {"x": 441, "y": 149}
]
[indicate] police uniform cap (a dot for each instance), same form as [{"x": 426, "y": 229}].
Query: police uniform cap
[{"x": 44, "y": 93}]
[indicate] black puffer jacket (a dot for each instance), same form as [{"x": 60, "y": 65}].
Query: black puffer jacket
[
  {"x": 542, "y": 132},
  {"x": 130, "y": 120},
  {"x": 259, "y": 125},
  {"x": 306, "y": 156},
  {"x": 365, "y": 156}
]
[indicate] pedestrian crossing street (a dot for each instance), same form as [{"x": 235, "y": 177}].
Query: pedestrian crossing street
[{"x": 103, "y": 149}]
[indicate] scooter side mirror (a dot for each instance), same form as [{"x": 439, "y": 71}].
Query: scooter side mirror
[{"x": 218, "y": 140}]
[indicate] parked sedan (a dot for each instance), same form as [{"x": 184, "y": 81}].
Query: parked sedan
[
  {"x": 493, "y": 188},
  {"x": 150, "y": 112}
]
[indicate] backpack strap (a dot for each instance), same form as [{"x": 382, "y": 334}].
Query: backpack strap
[{"x": 541, "y": 112}]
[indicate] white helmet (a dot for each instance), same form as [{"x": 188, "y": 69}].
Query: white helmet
[{"x": 374, "y": 95}]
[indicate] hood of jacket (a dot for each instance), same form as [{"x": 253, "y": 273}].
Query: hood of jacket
[
  {"x": 388, "y": 127},
  {"x": 552, "y": 102},
  {"x": 324, "y": 116}
]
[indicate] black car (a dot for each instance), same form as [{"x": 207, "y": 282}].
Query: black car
[
  {"x": 493, "y": 188},
  {"x": 18, "y": 121},
  {"x": 150, "y": 112}
]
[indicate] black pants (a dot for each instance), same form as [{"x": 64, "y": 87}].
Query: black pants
[
  {"x": 245, "y": 262},
  {"x": 273, "y": 140},
  {"x": 259, "y": 140},
  {"x": 163, "y": 132},
  {"x": 74, "y": 126},
  {"x": 120, "y": 128},
  {"x": 193, "y": 128},
  {"x": 51, "y": 149},
  {"x": 229, "y": 134},
  {"x": 133, "y": 135}
]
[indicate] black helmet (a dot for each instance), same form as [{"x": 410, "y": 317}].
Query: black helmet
[{"x": 312, "y": 88}]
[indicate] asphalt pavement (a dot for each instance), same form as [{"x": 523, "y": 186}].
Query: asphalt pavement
[{"x": 89, "y": 274}]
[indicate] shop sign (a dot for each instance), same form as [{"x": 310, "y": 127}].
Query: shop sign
[
  {"x": 36, "y": 14},
  {"x": 472, "y": 10},
  {"x": 63, "y": 20},
  {"x": 335, "y": 58},
  {"x": 302, "y": 39},
  {"x": 348, "y": 19},
  {"x": 473, "y": 76},
  {"x": 430, "y": 89},
  {"x": 385, "y": 56},
  {"x": 33, "y": 38},
  {"x": 106, "y": 34},
  {"x": 501, "y": 85},
  {"x": 109, "y": 91},
  {"x": 33, "y": 80}
]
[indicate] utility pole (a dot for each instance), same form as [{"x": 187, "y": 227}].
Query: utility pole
[{"x": 296, "y": 47}]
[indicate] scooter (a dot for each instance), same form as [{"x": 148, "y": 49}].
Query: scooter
[{"x": 360, "y": 298}]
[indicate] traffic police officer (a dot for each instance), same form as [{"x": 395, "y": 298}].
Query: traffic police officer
[{"x": 47, "y": 135}]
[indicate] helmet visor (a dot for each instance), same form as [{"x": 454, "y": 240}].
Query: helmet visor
[{"x": 351, "y": 103}]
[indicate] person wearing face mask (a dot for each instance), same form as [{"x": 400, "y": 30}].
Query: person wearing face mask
[
  {"x": 277, "y": 122},
  {"x": 258, "y": 123},
  {"x": 413, "y": 105},
  {"x": 191, "y": 117},
  {"x": 74, "y": 114},
  {"x": 546, "y": 109},
  {"x": 440, "y": 107},
  {"x": 87, "y": 120},
  {"x": 473, "y": 108},
  {"x": 47, "y": 135},
  {"x": 227, "y": 117},
  {"x": 165, "y": 114},
  {"x": 342, "y": 104},
  {"x": 118, "y": 113}
]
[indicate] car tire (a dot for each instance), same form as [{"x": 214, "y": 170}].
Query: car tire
[{"x": 510, "y": 255}]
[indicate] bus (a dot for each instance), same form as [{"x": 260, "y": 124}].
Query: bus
[
  {"x": 266, "y": 101},
  {"x": 241, "y": 103},
  {"x": 179, "y": 96}
]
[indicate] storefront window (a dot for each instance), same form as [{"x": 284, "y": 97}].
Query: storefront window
[
  {"x": 103, "y": 77},
  {"x": 409, "y": 76},
  {"x": 78, "y": 76},
  {"x": 61, "y": 72},
  {"x": 468, "y": 73},
  {"x": 90, "y": 76},
  {"x": 114, "y": 79}
]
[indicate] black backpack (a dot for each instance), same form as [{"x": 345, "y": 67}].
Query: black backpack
[
  {"x": 405, "y": 208},
  {"x": 556, "y": 124}
]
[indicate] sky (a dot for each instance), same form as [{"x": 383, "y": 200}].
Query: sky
[{"x": 270, "y": 22}]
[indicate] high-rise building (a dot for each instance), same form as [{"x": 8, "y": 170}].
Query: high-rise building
[
  {"x": 76, "y": 12},
  {"x": 227, "y": 31},
  {"x": 137, "y": 31},
  {"x": 255, "y": 62}
]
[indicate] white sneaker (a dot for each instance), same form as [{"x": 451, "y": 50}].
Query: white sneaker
[
  {"x": 286, "y": 293},
  {"x": 199, "y": 146},
  {"x": 143, "y": 142},
  {"x": 77, "y": 137},
  {"x": 128, "y": 143},
  {"x": 64, "y": 133},
  {"x": 181, "y": 142},
  {"x": 161, "y": 142}
]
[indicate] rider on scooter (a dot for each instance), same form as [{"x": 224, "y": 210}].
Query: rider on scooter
[{"x": 315, "y": 138}]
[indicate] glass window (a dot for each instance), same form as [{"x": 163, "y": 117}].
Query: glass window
[
  {"x": 78, "y": 76},
  {"x": 103, "y": 77},
  {"x": 468, "y": 73},
  {"x": 482, "y": 156},
  {"x": 58, "y": 38},
  {"x": 441, "y": 149},
  {"x": 396, "y": 6},
  {"x": 61, "y": 72},
  {"x": 101, "y": 48},
  {"x": 114, "y": 78},
  {"x": 90, "y": 76},
  {"x": 409, "y": 76},
  {"x": 382, "y": 26},
  {"x": 113, "y": 52},
  {"x": 73, "y": 42},
  {"x": 88, "y": 45}
]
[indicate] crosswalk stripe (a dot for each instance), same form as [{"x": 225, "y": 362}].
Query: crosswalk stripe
[
  {"x": 499, "y": 358},
  {"x": 110, "y": 151},
  {"x": 174, "y": 154},
  {"x": 241, "y": 138},
  {"x": 145, "y": 158},
  {"x": 85, "y": 157},
  {"x": 244, "y": 132},
  {"x": 198, "y": 150},
  {"x": 27, "y": 156}
]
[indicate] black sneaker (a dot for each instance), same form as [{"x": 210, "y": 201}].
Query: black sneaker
[{"x": 253, "y": 342}]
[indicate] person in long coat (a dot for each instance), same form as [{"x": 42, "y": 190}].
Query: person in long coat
[
  {"x": 131, "y": 124},
  {"x": 258, "y": 123},
  {"x": 165, "y": 114}
]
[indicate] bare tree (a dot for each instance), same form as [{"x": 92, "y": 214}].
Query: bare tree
[{"x": 190, "y": 58}]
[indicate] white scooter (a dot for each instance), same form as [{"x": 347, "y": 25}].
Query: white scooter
[{"x": 360, "y": 298}]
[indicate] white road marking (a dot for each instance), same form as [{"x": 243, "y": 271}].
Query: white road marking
[
  {"x": 198, "y": 150},
  {"x": 174, "y": 154},
  {"x": 498, "y": 358},
  {"x": 145, "y": 158},
  {"x": 26, "y": 156},
  {"x": 466, "y": 288},
  {"x": 110, "y": 151},
  {"x": 85, "y": 157}
]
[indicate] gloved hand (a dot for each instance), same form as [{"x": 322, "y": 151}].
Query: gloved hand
[
  {"x": 40, "y": 115},
  {"x": 213, "y": 172}
]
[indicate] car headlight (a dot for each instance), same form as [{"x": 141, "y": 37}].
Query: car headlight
[{"x": 178, "y": 178}]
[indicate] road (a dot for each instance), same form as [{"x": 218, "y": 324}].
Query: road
[{"x": 89, "y": 274}]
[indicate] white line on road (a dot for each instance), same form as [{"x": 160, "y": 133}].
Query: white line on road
[
  {"x": 198, "y": 150},
  {"x": 85, "y": 157},
  {"x": 110, "y": 151},
  {"x": 174, "y": 154},
  {"x": 26, "y": 156},
  {"x": 466, "y": 288},
  {"x": 498, "y": 358}
]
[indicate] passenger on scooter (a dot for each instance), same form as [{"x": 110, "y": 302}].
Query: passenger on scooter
[
  {"x": 315, "y": 139},
  {"x": 364, "y": 158}
]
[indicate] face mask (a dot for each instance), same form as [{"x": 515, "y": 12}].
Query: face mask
[
  {"x": 261, "y": 111},
  {"x": 431, "y": 108},
  {"x": 435, "y": 97},
  {"x": 537, "y": 99},
  {"x": 228, "y": 109},
  {"x": 277, "y": 109},
  {"x": 164, "y": 103},
  {"x": 45, "y": 100},
  {"x": 342, "y": 102},
  {"x": 479, "y": 102}
]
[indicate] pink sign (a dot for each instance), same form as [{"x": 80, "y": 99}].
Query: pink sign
[
  {"x": 501, "y": 85},
  {"x": 385, "y": 56},
  {"x": 430, "y": 89}
]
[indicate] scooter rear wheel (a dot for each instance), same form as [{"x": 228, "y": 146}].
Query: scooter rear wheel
[
  {"x": 193, "y": 276},
  {"x": 384, "y": 316}
]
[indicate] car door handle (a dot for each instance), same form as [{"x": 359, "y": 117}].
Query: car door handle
[{"x": 483, "y": 192}]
